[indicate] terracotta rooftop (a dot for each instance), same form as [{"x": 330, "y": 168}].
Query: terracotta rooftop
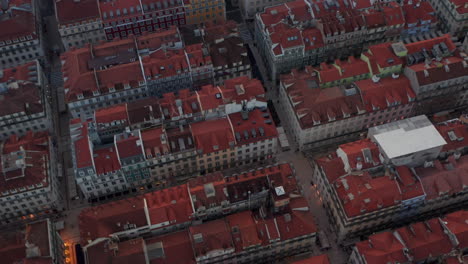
[
  {"x": 13, "y": 244},
  {"x": 457, "y": 224},
  {"x": 424, "y": 239},
  {"x": 416, "y": 12},
  {"x": 255, "y": 126},
  {"x": 382, "y": 248},
  {"x": 18, "y": 22},
  {"x": 385, "y": 93},
  {"x": 23, "y": 162},
  {"x": 177, "y": 248},
  {"x": 211, "y": 236},
  {"x": 165, "y": 207},
  {"x": 362, "y": 153},
  {"x": 71, "y": 11},
  {"x": 208, "y": 190},
  {"x": 213, "y": 135},
  {"x": 444, "y": 178},
  {"x": 418, "y": 242},
  {"x": 314, "y": 105},
  {"x": 455, "y": 133}
]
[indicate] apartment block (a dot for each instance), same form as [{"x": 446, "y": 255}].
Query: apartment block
[
  {"x": 438, "y": 73},
  {"x": 20, "y": 37},
  {"x": 205, "y": 197},
  {"x": 150, "y": 65},
  {"x": 320, "y": 116},
  {"x": 24, "y": 105},
  {"x": 228, "y": 51},
  {"x": 254, "y": 216},
  {"x": 29, "y": 186},
  {"x": 238, "y": 238},
  {"x": 182, "y": 108},
  {"x": 453, "y": 15},
  {"x": 163, "y": 155},
  {"x": 406, "y": 169},
  {"x": 299, "y": 33},
  {"x": 79, "y": 22},
  {"x": 438, "y": 240},
  {"x": 38, "y": 242},
  {"x": 126, "y": 70}
]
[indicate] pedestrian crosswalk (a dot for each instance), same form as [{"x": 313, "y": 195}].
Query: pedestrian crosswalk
[{"x": 56, "y": 78}]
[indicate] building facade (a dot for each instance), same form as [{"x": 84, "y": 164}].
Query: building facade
[
  {"x": 79, "y": 23},
  {"x": 20, "y": 39},
  {"x": 453, "y": 15}
]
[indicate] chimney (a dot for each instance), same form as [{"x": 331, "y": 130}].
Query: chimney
[{"x": 244, "y": 111}]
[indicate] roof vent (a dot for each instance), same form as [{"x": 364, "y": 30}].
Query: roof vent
[{"x": 375, "y": 79}]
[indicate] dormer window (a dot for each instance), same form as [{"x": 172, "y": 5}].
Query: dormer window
[
  {"x": 96, "y": 93},
  {"x": 80, "y": 96},
  {"x": 112, "y": 89}
]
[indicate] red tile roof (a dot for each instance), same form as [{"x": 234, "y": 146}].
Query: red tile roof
[
  {"x": 104, "y": 220},
  {"x": 211, "y": 236},
  {"x": 418, "y": 11},
  {"x": 165, "y": 63},
  {"x": 144, "y": 110},
  {"x": 212, "y": 135},
  {"x": 13, "y": 244},
  {"x": 244, "y": 230},
  {"x": 184, "y": 103},
  {"x": 455, "y": 133},
  {"x": 18, "y": 22},
  {"x": 171, "y": 205},
  {"x": 460, "y": 6},
  {"x": 111, "y": 114},
  {"x": 71, "y": 11},
  {"x": 448, "y": 68},
  {"x": 106, "y": 160},
  {"x": 385, "y": 93},
  {"x": 425, "y": 239},
  {"x": 129, "y": 145},
  {"x": 177, "y": 248},
  {"x": 36, "y": 159},
  {"x": 83, "y": 151},
  {"x": 258, "y": 126},
  {"x": 444, "y": 178},
  {"x": 119, "y": 253},
  {"x": 457, "y": 223},
  {"x": 208, "y": 190},
  {"x": 382, "y": 248},
  {"x": 321, "y": 259},
  {"x": 362, "y": 193},
  {"x": 154, "y": 142},
  {"x": 429, "y": 44},
  {"x": 383, "y": 56},
  {"x": 313, "y": 104},
  {"x": 356, "y": 153}
]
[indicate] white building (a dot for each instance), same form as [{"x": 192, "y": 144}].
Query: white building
[{"x": 410, "y": 142}]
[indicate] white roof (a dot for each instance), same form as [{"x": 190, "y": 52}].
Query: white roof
[{"x": 399, "y": 142}]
